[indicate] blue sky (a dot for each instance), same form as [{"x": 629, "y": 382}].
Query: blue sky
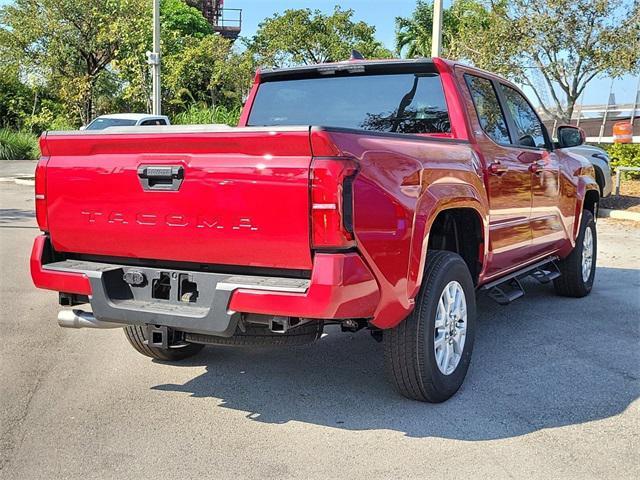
[{"x": 382, "y": 14}]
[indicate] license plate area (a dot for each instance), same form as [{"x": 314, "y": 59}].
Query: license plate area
[{"x": 158, "y": 285}]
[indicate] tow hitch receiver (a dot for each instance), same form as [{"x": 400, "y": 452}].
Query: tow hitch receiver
[
  {"x": 161, "y": 336},
  {"x": 158, "y": 336}
]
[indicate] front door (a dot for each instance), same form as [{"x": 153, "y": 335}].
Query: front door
[{"x": 547, "y": 229}]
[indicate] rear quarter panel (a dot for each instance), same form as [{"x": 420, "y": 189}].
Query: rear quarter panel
[{"x": 402, "y": 184}]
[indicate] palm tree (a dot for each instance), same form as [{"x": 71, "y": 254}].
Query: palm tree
[
  {"x": 461, "y": 23},
  {"x": 413, "y": 34}
]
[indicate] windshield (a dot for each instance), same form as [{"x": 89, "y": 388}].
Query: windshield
[
  {"x": 402, "y": 103},
  {"x": 102, "y": 123}
]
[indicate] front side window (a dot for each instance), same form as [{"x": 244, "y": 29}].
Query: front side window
[
  {"x": 400, "y": 103},
  {"x": 488, "y": 108},
  {"x": 528, "y": 125},
  {"x": 102, "y": 123}
]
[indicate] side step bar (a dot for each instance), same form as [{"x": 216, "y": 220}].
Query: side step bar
[{"x": 509, "y": 288}]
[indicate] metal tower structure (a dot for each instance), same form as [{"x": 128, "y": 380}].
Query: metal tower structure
[{"x": 225, "y": 21}]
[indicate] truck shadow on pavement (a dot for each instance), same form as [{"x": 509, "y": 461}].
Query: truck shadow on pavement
[{"x": 542, "y": 362}]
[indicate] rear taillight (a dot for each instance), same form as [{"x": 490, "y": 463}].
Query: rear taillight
[
  {"x": 41, "y": 194},
  {"x": 332, "y": 202}
]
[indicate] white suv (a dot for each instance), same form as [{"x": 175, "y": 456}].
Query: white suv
[
  {"x": 126, "y": 120},
  {"x": 600, "y": 161}
]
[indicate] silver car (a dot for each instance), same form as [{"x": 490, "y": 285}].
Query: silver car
[{"x": 600, "y": 161}]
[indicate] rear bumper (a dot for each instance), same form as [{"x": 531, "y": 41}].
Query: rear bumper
[{"x": 341, "y": 286}]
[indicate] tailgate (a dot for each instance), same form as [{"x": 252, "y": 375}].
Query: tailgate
[{"x": 236, "y": 197}]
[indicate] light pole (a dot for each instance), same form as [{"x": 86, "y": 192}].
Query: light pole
[
  {"x": 436, "y": 35},
  {"x": 153, "y": 59}
]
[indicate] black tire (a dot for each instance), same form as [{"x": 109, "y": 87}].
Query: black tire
[
  {"x": 571, "y": 282},
  {"x": 136, "y": 335},
  {"x": 409, "y": 351},
  {"x": 260, "y": 335},
  {"x": 599, "y": 180}
]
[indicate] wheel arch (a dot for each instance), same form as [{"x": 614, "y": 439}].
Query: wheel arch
[
  {"x": 470, "y": 207},
  {"x": 588, "y": 196},
  {"x": 459, "y": 230}
]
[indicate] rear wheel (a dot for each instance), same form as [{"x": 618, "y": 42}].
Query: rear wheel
[
  {"x": 579, "y": 268},
  {"x": 427, "y": 355},
  {"x": 137, "y": 336}
]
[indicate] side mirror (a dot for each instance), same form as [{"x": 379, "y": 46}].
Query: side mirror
[
  {"x": 83, "y": 127},
  {"x": 569, "y": 136}
]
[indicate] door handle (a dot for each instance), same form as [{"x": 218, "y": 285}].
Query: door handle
[
  {"x": 536, "y": 167},
  {"x": 496, "y": 168}
]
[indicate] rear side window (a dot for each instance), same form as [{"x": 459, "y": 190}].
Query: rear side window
[
  {"x": 402, "y": 103},
  {"x": 155, "y": 121},
  {"x": 528, "y": 125},
  {"x": 488, "y": 108}
]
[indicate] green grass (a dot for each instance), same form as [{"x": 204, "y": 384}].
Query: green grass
[
  {"x": 199, "y": 114},
  {"x": 18, "y": 145}
]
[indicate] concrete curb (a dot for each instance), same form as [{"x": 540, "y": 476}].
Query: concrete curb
[
  {"x": 25, "y": 181},
  {"x": 20, "y": 179},
  {"x": 619, "y": 214}
]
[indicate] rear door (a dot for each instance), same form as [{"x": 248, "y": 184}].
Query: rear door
[
  {"x": 530, "y": 137},
  {"x": 508, "y": 179},
  {"x": 237, "y": 196}
]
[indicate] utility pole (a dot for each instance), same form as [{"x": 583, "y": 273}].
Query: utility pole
[
  {"x": 153, "y": 59},
  {"x": 436, "y": 35}
]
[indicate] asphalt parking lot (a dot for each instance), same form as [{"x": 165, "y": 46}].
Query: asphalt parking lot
[{"x": 552, "y": 391}]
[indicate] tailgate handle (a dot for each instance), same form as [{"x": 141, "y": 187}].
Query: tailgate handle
[{"x": 161, "y": 177}]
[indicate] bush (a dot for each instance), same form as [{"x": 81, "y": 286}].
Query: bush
[
  {"x": 47, "y": 119},
  {"x": 201, "y": 114},
  {"x": 625, "y": 155},
  {"x": 18, "y": 145}
]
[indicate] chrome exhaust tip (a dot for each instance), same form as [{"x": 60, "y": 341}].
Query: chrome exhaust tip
[{"x": 82, "y": 319}]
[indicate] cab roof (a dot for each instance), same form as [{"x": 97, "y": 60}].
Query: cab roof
[
  {"x": 352, "y": 66},
  {"x": 131, "y": 116}
]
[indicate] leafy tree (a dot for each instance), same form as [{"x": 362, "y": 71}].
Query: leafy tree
[
  {"x": 70, "y": 43},
  {"x": 307, "y": 36},
  {"x": 197, "y": 65},
  {"x": 567, "y": 42},
  {"x": 179, "y": 23},
  {"x": 15, "y": 97},
  {"x": 183, "y": 20},
  {"x": 207, "y": 70},
  {"x": 88, "y": 57}
]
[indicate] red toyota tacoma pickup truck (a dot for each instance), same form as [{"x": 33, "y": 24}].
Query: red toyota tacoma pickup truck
[{"x": 372, "y": 194}]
